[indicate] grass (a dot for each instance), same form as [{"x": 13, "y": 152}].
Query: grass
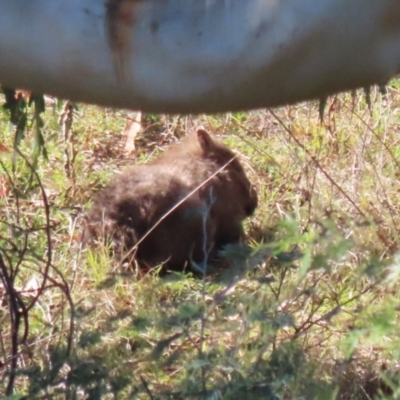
[{"x": 308, "y": 311}]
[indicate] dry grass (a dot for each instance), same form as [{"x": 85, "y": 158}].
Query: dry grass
[{"x": 309, "y": 313}]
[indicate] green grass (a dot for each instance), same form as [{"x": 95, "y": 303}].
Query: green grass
[{"x": 308, "y": 311}]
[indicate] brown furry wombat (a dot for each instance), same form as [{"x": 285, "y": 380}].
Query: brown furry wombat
[{"x": 133, "y": 209}]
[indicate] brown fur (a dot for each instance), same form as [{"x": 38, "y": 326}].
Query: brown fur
[{"x": 133, "y": 202}]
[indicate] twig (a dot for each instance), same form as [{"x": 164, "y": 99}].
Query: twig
[
  {"x": 206, "y": 254},
  {"x": 319, "y": 166},
  {"x": 15, "y": 317},
  {"x": 146, "y": 387},
  {"x": 47, "y": 229}
]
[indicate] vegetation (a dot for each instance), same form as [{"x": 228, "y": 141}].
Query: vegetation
[{"x": 307, "y": 309}]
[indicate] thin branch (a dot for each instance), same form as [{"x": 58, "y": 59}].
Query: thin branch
[{"x": 319, "y": 166}]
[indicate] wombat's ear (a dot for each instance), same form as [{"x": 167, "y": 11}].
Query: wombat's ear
[{"x": 205, "y": 141}]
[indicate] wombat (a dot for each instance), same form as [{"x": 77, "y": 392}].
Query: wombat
[{"x": 181, "y": 208}]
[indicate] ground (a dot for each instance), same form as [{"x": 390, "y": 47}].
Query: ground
[{"x": 308, "y": 308}]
